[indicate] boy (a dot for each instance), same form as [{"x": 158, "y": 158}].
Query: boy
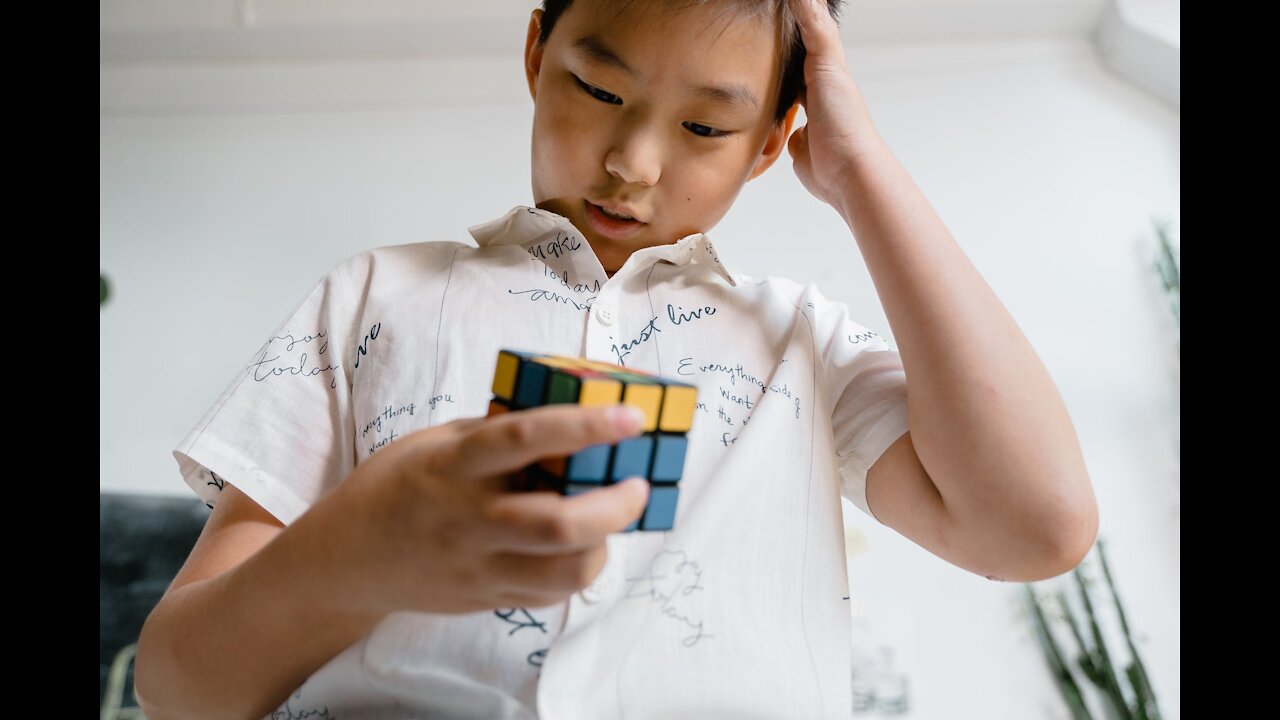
[{"x": 364, "y": 557}]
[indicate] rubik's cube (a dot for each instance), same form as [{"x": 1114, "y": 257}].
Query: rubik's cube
[{"x": 525, "y": 380}]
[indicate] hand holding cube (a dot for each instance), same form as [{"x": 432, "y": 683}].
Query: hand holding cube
[{"x": 525, "y": 380}]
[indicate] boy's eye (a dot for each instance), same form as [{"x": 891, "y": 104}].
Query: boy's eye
[
  {"x": 597, "y": 93},
  {"x": 711, "y": 132},
  {"x": 605, "y": 97}
]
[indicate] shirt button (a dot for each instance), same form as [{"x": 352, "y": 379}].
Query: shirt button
[{"x": 604, "y": 314}]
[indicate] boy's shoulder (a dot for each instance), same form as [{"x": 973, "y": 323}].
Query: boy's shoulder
[
  {"x": 829, "y": 314},
  {"x": 427, "y": 249},
  {"x": 386, "y": 261},
  {"x": 782, "y": 287}
]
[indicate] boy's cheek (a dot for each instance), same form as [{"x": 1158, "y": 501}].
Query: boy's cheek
[
  {"x": 565, "y": 131},
  {"x": 562, "y": 155}
]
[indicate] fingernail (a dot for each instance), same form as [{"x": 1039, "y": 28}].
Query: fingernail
[{"x": 626, "y": 418}]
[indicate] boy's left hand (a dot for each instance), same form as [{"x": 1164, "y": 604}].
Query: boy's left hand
[{"x": 838, "y": 128}]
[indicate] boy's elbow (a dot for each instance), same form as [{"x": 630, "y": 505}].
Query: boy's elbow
[
  {"x": 144, "y": 662},
  {"x": 1059, "y": 544},
  {"x": 149, "y": 711},
  {"x": 141, "y": 674},
  {"x": 1075, "y": 536}
]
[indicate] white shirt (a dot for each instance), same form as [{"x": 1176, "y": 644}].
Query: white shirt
[{"x": 740, "y": 611}]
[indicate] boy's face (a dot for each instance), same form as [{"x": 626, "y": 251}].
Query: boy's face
[{"x": 648, "y": 140}]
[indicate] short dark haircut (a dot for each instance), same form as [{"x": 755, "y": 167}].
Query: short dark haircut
[{"x": 790, "y": 44}]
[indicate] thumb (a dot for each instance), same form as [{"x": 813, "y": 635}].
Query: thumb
[
  {"x": 636, "y": 490},
  {"x": 637, "y": 485}
]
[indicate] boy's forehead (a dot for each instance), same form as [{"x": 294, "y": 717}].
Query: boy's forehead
[
  {"x": 667, "y": 20},
  {"x": 626, "y": 36}
]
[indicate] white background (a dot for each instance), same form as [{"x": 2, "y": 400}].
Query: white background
[{"x": 244, "y": 152}]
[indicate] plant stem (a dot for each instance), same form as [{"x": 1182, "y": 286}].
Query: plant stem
[
  {"x": 1110, "y": 682},
  {"x": 1057, "y": 665},
  {"x": 1141, "y": 683}
]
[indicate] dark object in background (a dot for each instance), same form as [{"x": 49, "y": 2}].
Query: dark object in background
[
  {"x": 142, "y": 542},
  {"x": 102, "y": 289}
]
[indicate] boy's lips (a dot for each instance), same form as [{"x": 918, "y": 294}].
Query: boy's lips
[
  {"x": 619, "y": 209},
  {"x": 607, "y": 226}
]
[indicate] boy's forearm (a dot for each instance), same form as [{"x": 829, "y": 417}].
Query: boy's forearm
[
  {"x": 986, "y": 419},
  {"x": 236, "y": 645}
]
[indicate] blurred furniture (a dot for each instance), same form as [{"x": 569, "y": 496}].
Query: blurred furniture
[{"x": 142, "y": 542}]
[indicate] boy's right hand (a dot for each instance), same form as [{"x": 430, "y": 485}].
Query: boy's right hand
[{"x": 430, "y": 525}]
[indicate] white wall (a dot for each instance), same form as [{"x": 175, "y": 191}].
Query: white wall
[{"x": 228, "y": 188}]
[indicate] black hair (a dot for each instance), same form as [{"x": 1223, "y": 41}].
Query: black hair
[{"x": 790, "y": 44}]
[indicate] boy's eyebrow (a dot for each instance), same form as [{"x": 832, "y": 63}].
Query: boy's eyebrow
[{"x": 732, "y": 94}]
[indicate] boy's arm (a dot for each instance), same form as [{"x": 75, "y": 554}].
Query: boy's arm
[
  {"x": 428, "y": 524},
  {"x": 990, "y": 476},
  {"x": 248, "y": 618}
]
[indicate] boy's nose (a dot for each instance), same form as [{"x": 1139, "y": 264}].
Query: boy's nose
[{"x": 635, "y": 160}]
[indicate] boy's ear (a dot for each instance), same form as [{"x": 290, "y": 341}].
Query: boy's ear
[
  {"x": 777, "y": 140},
  {"x": 533, "y": 52}
]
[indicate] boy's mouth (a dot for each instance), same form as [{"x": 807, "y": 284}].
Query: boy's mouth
[{"x": 609, "y": 225}]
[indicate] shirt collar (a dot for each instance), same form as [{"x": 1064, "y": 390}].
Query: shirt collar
[{"x": 524, "y": 226}]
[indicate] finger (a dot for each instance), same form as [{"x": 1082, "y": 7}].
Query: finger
[
  {"x": 546, "y": 575},
  {"x": 510, "y": 441},
  {"x": 818, "y": 30},
  {"x": 460, "y": 426},
  {"x": 547, "y": 523},
  {"x": 798, "y": 144},
  {"x": 436, "y": 433}
]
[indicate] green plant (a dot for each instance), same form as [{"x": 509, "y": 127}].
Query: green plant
[
  {"x": 1125, "y": 696},
  {"x": 1167, "y": 265}
]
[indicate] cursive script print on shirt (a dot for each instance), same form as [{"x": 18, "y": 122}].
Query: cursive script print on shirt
[
  {"x": 670, "y": 581},
  {"x": 521, "y": 619},
  {"x": 297, "y": 355}
]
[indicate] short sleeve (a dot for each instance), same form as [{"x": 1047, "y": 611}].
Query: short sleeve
[
  {"x": 282, "y": 431},
  {"x": 868, "y": 386}
]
